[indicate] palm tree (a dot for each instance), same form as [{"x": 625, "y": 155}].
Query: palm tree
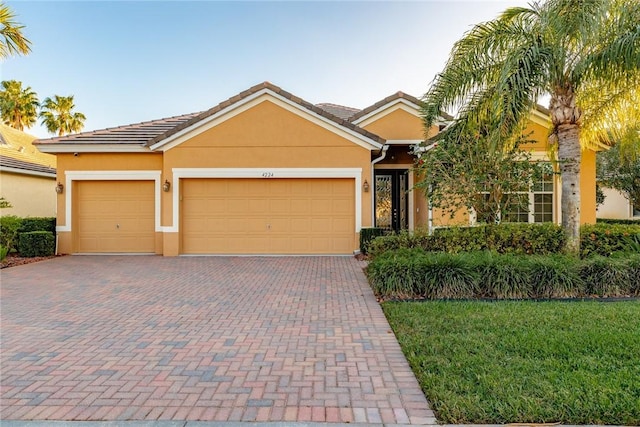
[
  {"x": 12, "y": 42},
  {"x": 58, "y": 117},
  {"x": 18, "y": 106},
  {"x": 583, "y": 54}
]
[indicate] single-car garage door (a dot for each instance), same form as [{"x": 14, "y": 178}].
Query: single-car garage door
[
  {"x": 268, "y": 216},
  {"x": 114, "y": 217}
]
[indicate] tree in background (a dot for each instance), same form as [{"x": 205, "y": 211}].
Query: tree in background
[
  {"x": 585, "y": 54},
  {"x": 12, "y": 41},
  {"x": 58, "y": 116},
  {"x": 472, "y": 172},
  {"x": 18, "y": 106},
  {"x": 619, "y": 168}
]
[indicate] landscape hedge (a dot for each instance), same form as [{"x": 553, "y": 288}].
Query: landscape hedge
[
  {"x": 9, "y": 228},
  {"x": 38, "y": 224},
  {"x": 618, "y": 221},
  {"x": 518, "y": 239},
  {"x": 367, "y": 235},
  {"x": 417, "y": 274},
  {"x": 529, "y": 239},
  {"x": 606, "y": 239},
  {"x": 36, "y": 244}
]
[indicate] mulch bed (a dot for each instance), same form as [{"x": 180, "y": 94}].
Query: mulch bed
[{"x": 14, "y": 259}]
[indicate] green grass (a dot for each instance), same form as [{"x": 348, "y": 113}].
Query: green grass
[{"x": 508, "y": 362}]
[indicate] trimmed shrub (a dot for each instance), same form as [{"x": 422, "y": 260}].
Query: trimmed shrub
[
  {"x": 36, "y": 243},
  {"x": 3, "y": 252},
  {"x": 9, "y": 227},
  {"x": 605, "y": 239},
  {"x": 618, "y": 221},
  {"x": 38, "y": 224},
  {"x": 529, "y": 239},
  {"x": 367, "y": 235},
  {"x": 606, "y": 277}
]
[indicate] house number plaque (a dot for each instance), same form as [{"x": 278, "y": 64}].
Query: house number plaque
[{"x": 267, "y": 174}]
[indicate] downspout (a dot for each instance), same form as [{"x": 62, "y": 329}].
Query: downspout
[{"x": 373, "y": 182}]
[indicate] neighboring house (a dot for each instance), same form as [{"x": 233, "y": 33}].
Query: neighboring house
[
  {"x": 263, "y": 172},
  {"x": 27, "y": 176},
  {"x": 616, "y": 206}
]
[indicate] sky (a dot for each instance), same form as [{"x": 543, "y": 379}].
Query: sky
[{"x": 131, "y": 61}]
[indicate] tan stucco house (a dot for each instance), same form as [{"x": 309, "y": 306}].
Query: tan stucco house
[
  {"x": 27, "y": 176},
  {"x": 263, "y": 172}
]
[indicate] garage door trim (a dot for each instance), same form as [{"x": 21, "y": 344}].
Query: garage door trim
[
  {"x": 266, "y": 173},
  {"x": 140, "y": 175}
]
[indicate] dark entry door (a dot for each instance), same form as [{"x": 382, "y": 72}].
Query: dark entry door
[{"x": 392, "y": 201}]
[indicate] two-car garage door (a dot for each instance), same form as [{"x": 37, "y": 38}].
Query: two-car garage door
[{"x": 267, "y": 216}]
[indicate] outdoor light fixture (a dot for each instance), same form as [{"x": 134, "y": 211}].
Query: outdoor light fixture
[
  {"x": 59, "y": 188},
  {"x": 365, "y": 186},
  {"x": 166, "y": 186}
]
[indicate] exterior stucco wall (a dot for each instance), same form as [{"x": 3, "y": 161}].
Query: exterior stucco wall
[
  {"x": 29, "y": 195},
  {"x": 267, "y": 137},
  {"x": 615, "y": 205}
]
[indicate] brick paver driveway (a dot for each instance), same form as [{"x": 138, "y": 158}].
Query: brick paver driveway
[{"x": 200, "y": 338}]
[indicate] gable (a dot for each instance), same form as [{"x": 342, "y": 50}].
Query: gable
[
  {"x": 267, "y": 135},
  {"x": 228, "y": 110},
  {"x": 268, "y": 125},
  {"x": 398, "y": 124}
]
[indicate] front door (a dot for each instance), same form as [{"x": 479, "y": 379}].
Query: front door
[{"x": 392, "y": 201}]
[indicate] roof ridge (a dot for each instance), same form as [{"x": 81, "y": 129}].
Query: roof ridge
[{"x": 339, "y": 105}]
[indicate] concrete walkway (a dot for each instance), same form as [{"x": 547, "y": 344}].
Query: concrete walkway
[{"x": 145, "y": 338}]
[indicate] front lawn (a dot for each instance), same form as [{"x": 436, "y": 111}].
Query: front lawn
[{"x": 509, "y": 362}]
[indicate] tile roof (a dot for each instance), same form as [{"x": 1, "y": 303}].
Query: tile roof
[
  {"x": 339, "y": 110},
  {"x": 9, "y": 162},
  {"x": 18, "y": 145},
  {"x": 389, "y": 99},
  {"x": 255, "y": 89},
  {"x": 136, "y": 133}
]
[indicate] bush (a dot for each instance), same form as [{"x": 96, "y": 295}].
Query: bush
[
  {"x": 554, "y": 276},
  {"x": 529, "y": 239},
  {"x": 618, "y": 221},
  {"x": 446, "y": 276},
  {"x": 504, "y": 277},
  {"x": 3, "y": 252},
  {"x": 36, "y": 243},
  {"x": 605, "y": 239},
  {"x": 367, "y": 235},
  {"x": 38, "y": 224},
  {"x": 414, "y": 273},
  {"x": 395, "y": 273},
  {"x": 633, "y": 265},
  {"x": 9, "y": 227},
  {"x": 606, "y": 277}
]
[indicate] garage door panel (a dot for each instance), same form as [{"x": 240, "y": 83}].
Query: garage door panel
[
  {"x": 268, "y": 216},
  {"x": 114, "y": 216}
]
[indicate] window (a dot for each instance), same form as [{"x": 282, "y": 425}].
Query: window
[{"x": 534, "y": 206}]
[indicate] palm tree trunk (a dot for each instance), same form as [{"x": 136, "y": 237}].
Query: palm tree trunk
[{"x": 569, "y": 156}]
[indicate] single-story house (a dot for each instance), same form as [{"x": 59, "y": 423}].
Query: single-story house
[
  {"x": 263, "y": 172},
  {"x": 27, "y": 176}
]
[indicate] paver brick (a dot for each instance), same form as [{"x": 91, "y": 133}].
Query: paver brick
[{"x": 201, "y": 338}]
